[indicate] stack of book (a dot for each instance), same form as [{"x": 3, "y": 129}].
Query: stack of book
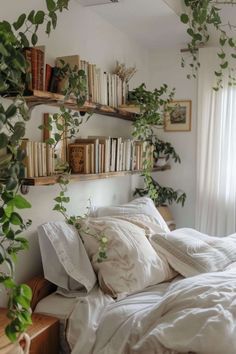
[
  {"x": 106, "y": 154},
  {"x": 39, "y": 160}
]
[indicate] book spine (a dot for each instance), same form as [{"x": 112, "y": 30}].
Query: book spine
[
  {"x": 48, "y": 76},
  {"x": 34, "y": 68}
]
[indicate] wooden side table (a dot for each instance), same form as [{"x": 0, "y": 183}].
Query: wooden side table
[{"x": 44, "y": 333}]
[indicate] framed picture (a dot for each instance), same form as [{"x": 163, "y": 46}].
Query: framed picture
[
  {"x": 60, "y": 149},
  {"x": 178, "y": 119}
]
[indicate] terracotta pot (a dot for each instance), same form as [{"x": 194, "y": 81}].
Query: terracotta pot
[{"x": 22, "y": 346}]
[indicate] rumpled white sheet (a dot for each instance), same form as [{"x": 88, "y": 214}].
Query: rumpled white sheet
[{"x": 197, "y": 314}]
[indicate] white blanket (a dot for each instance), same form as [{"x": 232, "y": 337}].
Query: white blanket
[{"x": 196, "y": 314}]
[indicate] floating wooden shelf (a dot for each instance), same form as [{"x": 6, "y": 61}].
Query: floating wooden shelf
[
  {"x": 50, "y": 180},
  {"x": 54, "y": 99}
]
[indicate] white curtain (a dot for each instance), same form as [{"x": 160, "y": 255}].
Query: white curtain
[{"x": 216, "y": 152}]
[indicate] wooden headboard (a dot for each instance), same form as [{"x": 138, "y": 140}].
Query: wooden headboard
[{"x": 40, "y": 288}]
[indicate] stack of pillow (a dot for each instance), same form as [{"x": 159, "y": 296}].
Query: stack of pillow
[
  {"x": 71, "y": 261},
  {"x": 141, "y": 250}
]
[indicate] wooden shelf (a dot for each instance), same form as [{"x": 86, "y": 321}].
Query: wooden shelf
[
  {"x": 55, "y": 99},
  {"x": 50, "y": 180}
]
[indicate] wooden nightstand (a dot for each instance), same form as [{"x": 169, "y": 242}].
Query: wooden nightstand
[{"x": 44, "y": 333}]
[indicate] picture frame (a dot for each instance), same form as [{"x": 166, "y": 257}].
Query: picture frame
[
  {"x": 60, "y": 150},
  {"x": 178, "y": 118}
]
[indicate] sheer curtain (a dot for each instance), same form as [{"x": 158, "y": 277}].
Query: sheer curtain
[{"x": 216, "y": 152}]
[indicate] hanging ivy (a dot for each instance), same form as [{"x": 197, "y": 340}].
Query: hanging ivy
[{"x": 200, "y": 17}]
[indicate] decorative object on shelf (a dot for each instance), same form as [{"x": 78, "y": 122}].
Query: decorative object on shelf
[
  {"x": 178, "y": 116},
  {"x": 153, "y": 106},
  {"x": 201, "y": 17},
  {"x": 125, "y": 74}
]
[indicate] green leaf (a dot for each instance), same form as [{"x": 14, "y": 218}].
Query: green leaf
[
  {"x": 221, "y": 55},
  {"x": 11, "y": 183},
  {"x": 51, "y": 5},
  {"x": 34, "y": 39},
  {"x": 3, "y": 140},
  {"x": 19, "y": 22},
  {"x": 233, "y": 55},
  {"x": 231, "y": 42},
  {"x": 16, "y": 219},
  {"x": 9, "y": 283},
  {"x": 53, "y": 16},
  {"x": 31, "y": 16},
  {"x": 11, "y": 333},
  {"x": 21, "y": 203},
  {"x": 48, "y": 28},
  {"x": 184, "y": 18},
  {"x": 222, "y": 41},
  {"x": 11, "y": 111},
  {"x": 39, "y": 17},
  {"x": 26, "y": 291},
  {"x": 224, "y": 65},
  {"x": 3, "y": 50},
  {"x": 24, "y": 39}
]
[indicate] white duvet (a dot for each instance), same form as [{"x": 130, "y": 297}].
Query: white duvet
[{"x": 196, "y": 314}]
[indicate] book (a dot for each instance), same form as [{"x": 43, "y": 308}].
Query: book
[
  {"x": 48, "y": 77},
  {"x": 95, "y": 142},
  {"x": 34, "y": 68},
  {"x": 73, "y": 61},
  {"x": 28, "y": 56},
  {"x": 78, "y": 157}
]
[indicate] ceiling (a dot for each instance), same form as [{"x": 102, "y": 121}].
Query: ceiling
[{"x": 153, "y": 23}]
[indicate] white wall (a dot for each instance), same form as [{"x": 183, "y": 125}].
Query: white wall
[
  {"x": 79, "y": 31},
  {"x": 165, "y": 68}
]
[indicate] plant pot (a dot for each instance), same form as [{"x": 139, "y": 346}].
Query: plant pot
[
  {"x": 22, "y": 346},
  {"x": 167, "y": 216}
]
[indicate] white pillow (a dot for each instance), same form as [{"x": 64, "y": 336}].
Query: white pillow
[
  {"x": 143, "y": 205},
  {"x": 64, "y": 258},
  {"x": 131, "y": 264},
  {"x": 190, "y": 252}
]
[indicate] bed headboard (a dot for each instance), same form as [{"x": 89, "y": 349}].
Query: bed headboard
[{"x": 40, "y": 288}]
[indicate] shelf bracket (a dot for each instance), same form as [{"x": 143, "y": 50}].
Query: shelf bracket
[{"x": 24, "y": 189}]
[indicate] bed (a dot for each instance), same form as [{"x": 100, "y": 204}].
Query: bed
[{"x": 157, "y": 291}]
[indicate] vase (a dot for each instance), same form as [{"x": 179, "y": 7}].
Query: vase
[{"x": 22, "y": 346}]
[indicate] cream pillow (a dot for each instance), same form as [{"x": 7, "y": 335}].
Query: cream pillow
[
  {"x": 190, "y": 252},
  {"x": 131, "y": 264},
  {"x": 142, "y": 205}
]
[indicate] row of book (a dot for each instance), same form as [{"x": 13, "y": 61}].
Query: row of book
[
  {"x": 106, "y": 154},
  {"x": 39, "y": 160},
  {"x": 102, "y": 87}
]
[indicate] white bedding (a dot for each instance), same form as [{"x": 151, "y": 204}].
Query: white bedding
[
  {"x": 197, "y": 314},
  {"x": 188, "y": 315}
]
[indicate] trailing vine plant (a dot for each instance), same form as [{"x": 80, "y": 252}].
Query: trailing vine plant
[
  {"x": 153, "y": 107},
  {"x": 13, "y": 79},
  {"x": 200, "y": 16},
  {"x": 62, "y": 201}
]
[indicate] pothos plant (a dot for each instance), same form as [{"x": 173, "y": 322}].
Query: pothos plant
[
  {"x": 13, "y": 78},
  {"x": 153, "y": 107},
  {"x": 200, "y": 16}
]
